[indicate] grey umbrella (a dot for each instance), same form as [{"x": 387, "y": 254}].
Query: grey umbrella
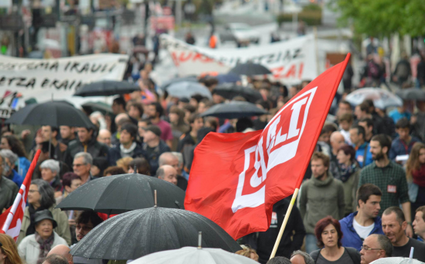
[
  {"x": 140, "y": 232},
  {"x": 412, "y": 94},
  {"x": 250, "y": 69},
  {"x": 234, "y": 109},
  {"x": 187, "y": 89}
]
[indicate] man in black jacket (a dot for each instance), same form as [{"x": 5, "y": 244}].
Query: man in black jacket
[{"x": 128, "y": 146}]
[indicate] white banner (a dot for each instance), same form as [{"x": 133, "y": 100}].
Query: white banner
[
  {"x": 290, "y": 61},
  {"x": 55, "y": 78}
]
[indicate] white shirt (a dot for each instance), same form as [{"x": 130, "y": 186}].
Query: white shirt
[{"x": 362, "y": 231}]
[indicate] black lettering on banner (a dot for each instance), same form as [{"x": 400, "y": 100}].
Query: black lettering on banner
[
  {"x": 85, "y": 68},
  {"x": 55, "y": 84},
  {"x": 11, "y": 80},
  {"x": 64, "y": 84},
  {"x": 44, "y": 83},
  {"x": 54, "y": 66},
  {"x": 2, "y": 79},
  {"x": 78, "y": 85},
  {"x": 74, "y": 66},
  {"x": 287, "y": 56},
  {"x": 112, "y": 67},
  {"x": 31, "y": 83},
  {"x": 30, "y": 66},
  {"x": 104, "y": 68},
  {"x": 296, "y": 53},
  {"x": 21, "y": 82},
  {"x": 67, "y": 66},
  {"x": 72, "y": 83},
  {"x": 94, "y": 68}
]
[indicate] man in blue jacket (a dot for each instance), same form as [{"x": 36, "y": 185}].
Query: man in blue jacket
[
  {"x": 359, "y": 225},
  {"x": 363, "y": 154}
]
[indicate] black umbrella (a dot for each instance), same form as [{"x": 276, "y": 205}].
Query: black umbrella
[
  {"x": 52, "y": 113},
  {"x": 234, "y": 109},
  {"x": 140, "y": 232},
  {"x": 229, "y": 91},
  {"x": 412, "y": 94},
  {"x": 250, "y": 69},
  {"x": 121, "y": 193},
  {"x": 97, "y": 106},
  {"x": 106, "y": 88}
]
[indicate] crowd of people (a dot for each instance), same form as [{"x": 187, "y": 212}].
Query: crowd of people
[{"x": 363, "y": 195}]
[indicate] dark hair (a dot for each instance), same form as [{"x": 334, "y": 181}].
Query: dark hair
[
  {"x": 368, "y": 121},
  {"x": 131, "y": 129},
  {"x": 243, "y": 123},
  {"x": 55, "y": 259},
  {"x": 322, "y": 224},
  {"x": 212, "y": 120},
  {"x": 16, "y": 146},
  {"x": 68, "y": 178},
  {"x": 207, "y": 102},
  {"x": 402, "y": 123},
  {"x": 346, "y": 103},
  {"x": 87, "y": 216},
  {"x": 190, "y": 108},
  {"x": 47, "y": 193},
  {"x": 264, "y": 104},
  {"x": 366, "y": 190},
  {"x": 142, "y": 165},
  {"x": 399, "y": 213},
  {"x": 120, "y": 101},
  {"x": 369, "y": 102},
  {"x": 348, "y": 150},
  {"x": 319, "y": 155},
  {"x": 194, "y": 117},
  {"x": 279, "y": 260},
  {"x": 383, "y": 140},
  {"x": 114, "y": 170},
  {"x": 158, "y": 108},
  {"x": 364, "y": 107},
  {"x": 137, "y": 105},
  {"x": 147, "y": 121},
  {"x": 197, "y": 97},
  {"x": 330, "y": 127},
  {"x": 421, "y": 209},
  {"x": 385, "y": 244},
  {"x": 346, "y": 117},
  {"x": 360, "y": 130}
]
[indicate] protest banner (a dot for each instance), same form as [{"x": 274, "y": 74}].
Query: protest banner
[
  {"x": 290, "y": 61},
  {"x": 54, "y": 78}
]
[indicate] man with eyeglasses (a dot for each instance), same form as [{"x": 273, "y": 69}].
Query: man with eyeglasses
[
  {"x": 394, "y": 226},
  {"x": 82, "y": 165},
  {"x": 375, "y": 247},
  {"x": 8, "y": 189},
  {"x": 359, "y": 225}
]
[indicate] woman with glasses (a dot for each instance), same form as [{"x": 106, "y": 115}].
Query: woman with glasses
[
  {"x": 329, "y": 235},
  {"x": 41, "y": 197},
  {"x": 34, "y": 248},
  {"x": 8, "y": 251}
]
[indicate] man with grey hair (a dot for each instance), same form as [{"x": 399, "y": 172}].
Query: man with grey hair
[
  {"x": 374, "y": 247},
  {"x": 167, "y": 173},
  {"x": 169, "y": 158},
  {"x": 180, "y": 170},
  {"x": 82, "y": 165},
  {"x": 9, "y": 159},
  {"x": 8, "y": 188},
  {"x": 301, "y": 257}
]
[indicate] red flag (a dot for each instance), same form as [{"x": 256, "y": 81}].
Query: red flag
[
  {"x": 237, "y": 178},
  {"x": 11, "y": 219}
]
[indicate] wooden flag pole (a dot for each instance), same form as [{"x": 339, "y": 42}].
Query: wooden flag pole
[{"x": 285, "y": 221}]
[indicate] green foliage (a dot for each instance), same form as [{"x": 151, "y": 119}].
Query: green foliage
[
  {"x": 382, "y": 17},
  {"x": 311, "y": 15}
]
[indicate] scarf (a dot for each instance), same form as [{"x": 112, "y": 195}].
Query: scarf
[
  {"x": 346, "y": 171},
  {"x": 124, "y": 150},
  {"x": 45, "y": 246},
  {"x": 31, "y": 227}
]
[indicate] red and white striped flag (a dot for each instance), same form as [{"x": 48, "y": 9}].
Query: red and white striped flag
[{"x": 11, "y": 219}]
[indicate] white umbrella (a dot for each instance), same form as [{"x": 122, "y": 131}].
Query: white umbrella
[
  {"x": 381, "y": 98},
  {"x": 396, "y": 260},
  {"x": 193, "y": 255}
]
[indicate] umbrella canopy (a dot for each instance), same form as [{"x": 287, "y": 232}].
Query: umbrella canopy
[
  {"x": 187, "y": 89},
  {"x": 412, "y": 94},
  {"x": 229, "y": 91},
  {"x": 228, "y": 78},
  {"x": 97, "y": 106},
  {"x": 140, "y": 232},
  {"x": 234, "y": 109},
  {"x": 52, "y": 113},
  {"x": 250, "y": 69},
  {"x": 381, "y": 98},
  {"x": 396, "y": 260},
  {"x": 165, "y": 85},
  {"x": 121, "y": 193},
  {"x": 106, "y": 88},
  {"x": 193, "y": 255}
]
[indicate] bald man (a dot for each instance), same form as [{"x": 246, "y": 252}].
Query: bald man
[
  {"x": 167, "y": 173},
  {"x": 168, "y": 158},
  {"x": 63, "y": 251},
  {"x": 337, "y": 141},
  {"x": 104, "y": 137}
]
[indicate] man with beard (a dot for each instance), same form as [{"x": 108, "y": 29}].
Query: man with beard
[
  {"x": 155, "y": 111},
  {"x": 323, "y": 195},
  {"x": 359, "y": 225},
  {"x": 394, "y": 226},
  {"x": 389, "y": 177}
]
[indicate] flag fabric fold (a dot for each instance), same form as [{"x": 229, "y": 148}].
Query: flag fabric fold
[
  {"x": 236, "y": 178},
  {"x": 11, "y": 219}
]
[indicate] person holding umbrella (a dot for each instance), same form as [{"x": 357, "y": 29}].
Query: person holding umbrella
[{"x": 34, "y": 248}]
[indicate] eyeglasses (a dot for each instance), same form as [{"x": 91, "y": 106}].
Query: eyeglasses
[
  {"x": 369, "y": 249},
  {"x": 32, "y": 191},
  {"x": 78, "y": 165},
  {"x": 84, "y": 228}
]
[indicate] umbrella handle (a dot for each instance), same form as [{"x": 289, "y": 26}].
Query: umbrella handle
[
  {"x": 199, "y": 239},
  {"x": 154, "y": 197}
]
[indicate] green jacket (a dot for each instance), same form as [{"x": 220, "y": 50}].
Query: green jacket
[
  {"x": 60, "y": 217},
  {"x": 319, "y": 199},
  {"x": 8, "y": 192},
  {"x": 350, "y": 190}
]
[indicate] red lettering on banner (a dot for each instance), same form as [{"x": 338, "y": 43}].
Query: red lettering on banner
[
  {"x": 300, "y": 71},
  {"x": 182, "y": 58},
  {"x": 291, "y": 72},
  {"x": 174, "y": 57}
]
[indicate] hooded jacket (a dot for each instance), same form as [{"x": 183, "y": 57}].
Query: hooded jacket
[
  {"x": 350, "y": 237},
  {"x": 323, "y": 198}
]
